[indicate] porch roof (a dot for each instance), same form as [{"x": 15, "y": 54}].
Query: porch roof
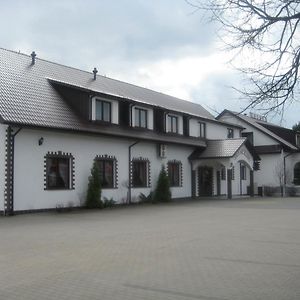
[{"x": 223, "y": 149}]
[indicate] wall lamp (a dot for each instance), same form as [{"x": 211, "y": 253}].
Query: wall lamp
[{"x": 41, "y": 141}]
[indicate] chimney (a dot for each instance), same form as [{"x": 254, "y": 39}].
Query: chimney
[
  {"x": 33, "y": 55},
  {"x": 95, "y": 71}
]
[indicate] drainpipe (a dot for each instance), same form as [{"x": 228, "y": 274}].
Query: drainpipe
[
  {"x": 129, "y": 170},
  {"x": 10, "y": 171},
  {"x": 284, "y": 173}
]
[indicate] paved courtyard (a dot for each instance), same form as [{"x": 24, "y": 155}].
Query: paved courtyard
[{"x": 208, "y": 249}]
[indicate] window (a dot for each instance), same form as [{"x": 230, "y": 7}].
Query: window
[
  {"x": 298, "y": 140},
  {"x": 59, "y": 171},
  {"x": 107, "y": 172},
  {"x": 140, "y": 117},
  {"x": 230, "y": 133},
  {"x": 103, "y": 111},
  {"x": 202, "y": 130},
  {"x": 172, "y": 124},
  {"x": 175, "y": 173},
  {"x": 140, "y": 173},
  {"x": 243, "y": 172},
  {"x": 223, "y": 173},
  {"x": 297, "y": 174}
]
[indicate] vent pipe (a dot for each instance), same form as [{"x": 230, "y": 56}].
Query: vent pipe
[
  {"x": 95, "y": 71},
  {"x": 33, "y": 55}
]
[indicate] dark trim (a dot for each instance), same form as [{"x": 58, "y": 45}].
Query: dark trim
[
  {"x": 145, "y": 160},
  {"x": 115, "y": 169},
  {"x": 9, "y": 170},
  {"x": 180, "y": 179},
  {"x": 113, "y": 130},
  {"x": 63, "y": 155},
  {"x": 268, "y": 149}
]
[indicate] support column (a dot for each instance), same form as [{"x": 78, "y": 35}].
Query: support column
[
  {"x": 251, "y": 183},
  {"x": 229, "y": 183}
]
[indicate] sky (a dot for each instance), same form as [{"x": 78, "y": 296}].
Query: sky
[{"x": 163, "y": 45}]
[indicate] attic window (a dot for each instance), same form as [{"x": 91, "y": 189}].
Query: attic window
[
  {"x": 172, "y": 124},
  {"x": 103, "y": 111}
]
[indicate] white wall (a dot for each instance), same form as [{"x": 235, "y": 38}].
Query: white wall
[
  {"x": 213, "y": 130},
  {"x": 2, "y": 164},
  {"x": 29, "y": 190},
  {"x": 259, "y": 138}
]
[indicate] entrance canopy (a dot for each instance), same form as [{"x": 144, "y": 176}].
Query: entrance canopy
[{"x": 227, "y": 152}]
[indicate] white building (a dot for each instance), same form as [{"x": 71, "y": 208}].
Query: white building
[
  {"x": 56, "y": 120},
  {"x": 278, "y": 149}
]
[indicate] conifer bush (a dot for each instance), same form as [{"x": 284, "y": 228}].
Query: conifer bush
[
  {"x": 93, "y": 197},
  {"x": 162, "y": 192}
]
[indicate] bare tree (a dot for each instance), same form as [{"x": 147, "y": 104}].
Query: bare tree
[{"x": 268, "y": 32}]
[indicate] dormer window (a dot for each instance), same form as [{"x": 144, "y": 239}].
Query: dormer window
[
  {"x": 140, "y": 116},
  {"x": 103, "y": 111},
  {"x": 202, "y": 130},
  {"x": 172, "y": 124}
]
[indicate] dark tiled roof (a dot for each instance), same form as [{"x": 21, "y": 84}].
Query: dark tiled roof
[
  {"x": 27, "y": 96},
  {"x": 256, "y": 124}
]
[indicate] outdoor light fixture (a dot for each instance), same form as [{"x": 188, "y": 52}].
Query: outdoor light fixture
[{"x": 41, "y": 141}]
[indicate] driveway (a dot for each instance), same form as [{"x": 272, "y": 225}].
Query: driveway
[{"x": 208, "y": 249}]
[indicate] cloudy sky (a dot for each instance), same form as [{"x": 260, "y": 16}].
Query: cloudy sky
[{"x": 159, "y": 44}]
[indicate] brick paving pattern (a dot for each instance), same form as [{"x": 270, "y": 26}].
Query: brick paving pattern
[{"x": 208, "y": 249}]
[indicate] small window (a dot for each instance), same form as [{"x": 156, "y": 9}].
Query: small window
[
  {"x": 103, "y": 111},
  {"x": 140, "y": 117},
  {"x": 202, "y": 130},
  {"x": 172, "y": 124},
  {"x": 223, "y": 173},
  {"x": 59, "y": 172},
  {"x": 298, "y": 140},
  {"x": 243, "y": 172},
  {"x": 230, "y": 134},
  {"x": 175, "y": 173},
  {"x": 297, "y": 174},
  {"x": 140, "y": 173},
  {"x": 107, "y": 172}
]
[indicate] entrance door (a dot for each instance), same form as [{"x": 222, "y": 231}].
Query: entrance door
[{"x": 205, "y": 181}]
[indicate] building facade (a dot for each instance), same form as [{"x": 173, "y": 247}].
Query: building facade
[{"x": 56, "y": 121}]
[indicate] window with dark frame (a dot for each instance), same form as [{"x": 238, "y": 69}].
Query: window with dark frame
[
  {"x": 140, "y": 173},
  {"x": 297, "y": 174},
  {"x": 243, "y": 172},
  {"x": 57, "y": 173},
  {"x": 230, "y": 133},
  {"x": 174, "y": 173},
  {"x": 107, "y": 172},
  {"x": 202, "y": 130},
  {"x": 223, "y": 173},
  {"x": 140, "y": 117},
  {"x": 172, "y": 124},
  {"x": 103, "y": 111}
]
